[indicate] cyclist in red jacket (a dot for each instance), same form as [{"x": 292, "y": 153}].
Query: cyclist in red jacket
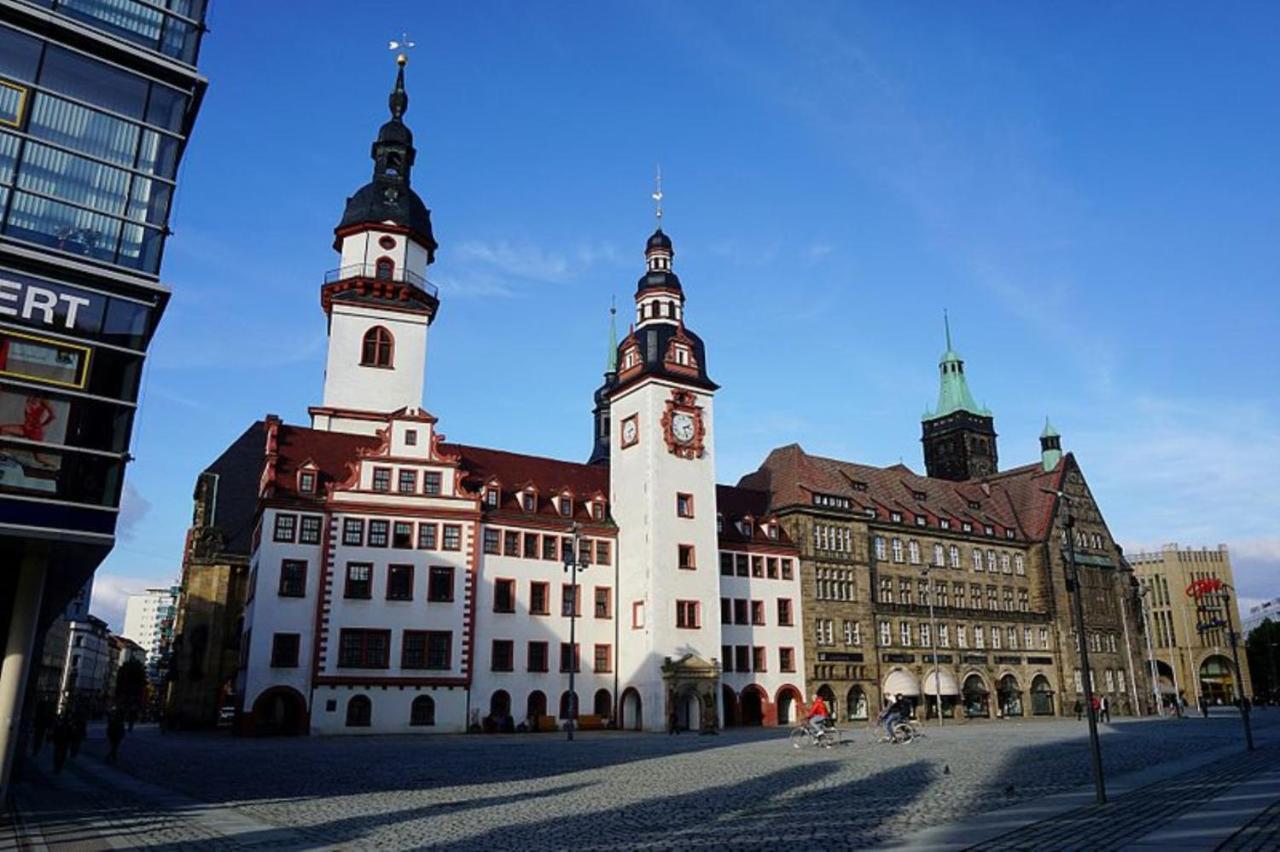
[{"x": 818, "y": 716}]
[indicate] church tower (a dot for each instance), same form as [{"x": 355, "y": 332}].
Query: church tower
[
  {"x": 663, "y": 498},
  {"x": 600, "y": 414},
  {"x": 379, "y": 302},
  {"x": 959, "y": 435}
]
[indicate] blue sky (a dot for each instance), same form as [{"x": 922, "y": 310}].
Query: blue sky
[{"x": 1093, "y": 194}]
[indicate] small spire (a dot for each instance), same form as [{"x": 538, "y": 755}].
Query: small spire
[
  {"x": 399, "y": 100},
  {"x": 657, "y": 196},
  {"x": 946, "y": 322},
  {"x": 611, "y": 364}
]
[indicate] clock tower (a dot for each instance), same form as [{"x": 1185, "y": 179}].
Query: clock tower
[
  {"x": 663, "y": 497},
  {"x": 378, "y": 301}
]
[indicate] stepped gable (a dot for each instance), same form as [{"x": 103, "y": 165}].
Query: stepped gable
[{"x": 1014, "y": 500}]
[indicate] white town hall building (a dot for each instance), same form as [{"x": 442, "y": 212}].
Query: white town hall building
[{"x": 403, "y": 583}]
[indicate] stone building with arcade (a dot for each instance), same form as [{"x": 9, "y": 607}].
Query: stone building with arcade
[{"x": 950, "y": 588}]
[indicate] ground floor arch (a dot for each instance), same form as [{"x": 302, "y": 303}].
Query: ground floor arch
[
  {"x": 751, "y": 706},
  {"x": 940, "y": 686},
  {"x": 535, "y": 706},
  {"x": 789, "y": 706},
  {"x": 602, "y": 704},
  {"x": 631, "y": 710},
  {"x": 1041, "y": 696},
  {"x": 975, "y": 696},
  {"x": 280, "y": 711},
  {"x": 1217, "y": 679},
  {"x": 500, "y": 705},
  {"x": 1009, "y": 696},
  {"x": 828, "y": 696},
  {"x": 688, "y": 710},
  {"x": 855, "y": 704},
  {"x": 729, "y": 706}
]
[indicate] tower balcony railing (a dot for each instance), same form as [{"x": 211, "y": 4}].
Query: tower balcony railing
[{"x": 373, "y": 272}]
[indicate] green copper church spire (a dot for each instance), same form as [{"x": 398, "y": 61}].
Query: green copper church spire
[{"x": 953, "y": 392}]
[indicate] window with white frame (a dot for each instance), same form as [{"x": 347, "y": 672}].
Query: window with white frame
[
  {"x": 1019, "y": 566},
  {"x": 904, "y": 634},
  {"x": 913, "y": 548},
  {"x": 897, "y": 550},
  {"x": 1011, "y": 637},
  {"x": 886, "y": 634},
  {"x": 991, "y": 561},
  {"x": 1120, "y": 679},
  {"x": 979, "y": 636},
  {"x": 962, "y": 636},
  {"x": 938, "y": 557},
  {"x": 1004, "y": 563},
  {"x": 1024, "y": 601},
  {"x": 995, "y": 638},
  {"x": 977, "y": 559},
  {"x": 944, "y": 636},
  {"x": 880, "y": 549},
  {"x": 925, "y": 636},
  {"x": 886, "y": 590},
  {"x": 1027, "y": 638},
  {"x": 1044, "y": 638}
]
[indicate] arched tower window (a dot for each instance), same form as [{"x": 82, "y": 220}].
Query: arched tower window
[
  {"x": 384, "y": 269},
  {"x": 378, "y": 349}
]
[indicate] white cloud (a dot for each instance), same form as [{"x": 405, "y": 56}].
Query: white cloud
[
  {"x": 111, "y": 591},
  {"x": 133, "y": 508}
]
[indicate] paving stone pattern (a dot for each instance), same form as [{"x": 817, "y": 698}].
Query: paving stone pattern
[
  {"x": 739, "y": 790},
  {"x": 1127, "y": 818},
  {"x": 1262, "y": 833}
]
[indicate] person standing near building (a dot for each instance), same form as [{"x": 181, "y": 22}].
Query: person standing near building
[
  {"x": 1204, "y": 706},
  {"x": 61, "y": 742},
  {"x": 115, "y": 733},
  {"x": 1105, "y": 706}
]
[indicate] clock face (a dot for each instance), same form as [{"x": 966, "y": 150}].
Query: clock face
[
  {"x": 682, "y": 427},
  {"x": 630, "y": 431}
]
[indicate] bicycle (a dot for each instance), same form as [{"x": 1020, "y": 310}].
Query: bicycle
[
  {"x": 802, "y": 736},
  {"x": 904, "y": 731}
]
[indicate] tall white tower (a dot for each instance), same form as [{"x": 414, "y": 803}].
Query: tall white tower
[
  {"x": 663, "y": 493},
  {"x": 379, "y": 302}
]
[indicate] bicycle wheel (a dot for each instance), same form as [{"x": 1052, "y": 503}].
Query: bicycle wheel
[
  {"x": 902, "y": 733},
  {"x": 799, "y": 738},
  {"x": 832, "y": 737}
]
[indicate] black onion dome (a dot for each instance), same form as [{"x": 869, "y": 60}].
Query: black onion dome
[
  {"x": 659, "y": 240},
  {"x": 396, "y": 132},
  {"x": 659, "y": 279}
]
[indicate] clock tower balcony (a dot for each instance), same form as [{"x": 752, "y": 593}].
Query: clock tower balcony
[{"x": 372, "y": 283}]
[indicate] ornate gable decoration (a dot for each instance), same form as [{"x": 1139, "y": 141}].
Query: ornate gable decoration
[
  {"x": 683, "y": 427},
  {"x": 679, "y": 357}
]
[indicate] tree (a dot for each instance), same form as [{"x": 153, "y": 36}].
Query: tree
[
  {"x": 1263, "y": 651},
  {"x": 131, "y": 684}
]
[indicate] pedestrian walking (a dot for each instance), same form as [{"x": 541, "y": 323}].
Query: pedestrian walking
[
  {"x": 79, "y": 730},
  {"x": 1105, "y": 707},
  {"x": 61, "y": 742},
  {"x": 1204, "y": 706},
  {"x": 115, "y": 733},
  {"x": 1079, "y": 709}
]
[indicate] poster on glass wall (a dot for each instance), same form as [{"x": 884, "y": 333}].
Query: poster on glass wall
[{"x": 34, "y": 417}]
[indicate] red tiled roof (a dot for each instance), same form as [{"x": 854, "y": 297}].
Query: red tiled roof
[
  {"x": 330, "y": 452},
  {"x": 735, "y": 503},
  {"x": 1013, "y": 500}
]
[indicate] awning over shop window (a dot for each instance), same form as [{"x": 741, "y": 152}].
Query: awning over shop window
[
  {"x": 947, "y": 679},
  {"x": 901, "y": 683}
]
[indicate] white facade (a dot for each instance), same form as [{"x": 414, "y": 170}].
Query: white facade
[
  {"x": 147, "y": 619},
  {"x": 86, "y": 671}
]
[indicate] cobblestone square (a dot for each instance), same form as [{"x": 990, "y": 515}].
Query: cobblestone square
[{"x": 739, "y": 789}]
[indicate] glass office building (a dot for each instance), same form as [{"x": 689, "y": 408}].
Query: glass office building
[{"x": 97, "y": 100}]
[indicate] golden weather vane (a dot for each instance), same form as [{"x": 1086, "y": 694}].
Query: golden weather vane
[
  {"x": 403, "y": 45},
  {"x": 657, "y": 195}
]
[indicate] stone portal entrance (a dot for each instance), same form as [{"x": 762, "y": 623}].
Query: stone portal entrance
[{"x": 692, "y": 687}]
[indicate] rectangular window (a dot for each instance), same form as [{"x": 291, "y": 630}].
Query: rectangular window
[
  {"x": 537, "y": 659},
  {"x": 504, "y": 595},
  {"x": 771, "y": 567},
  {"x": 962, "y": 636},
  {"x": 569, "y": 656},
  {"x": 685, "y": 556},
  {"x": 309, "y": 532},
  {"x": 491, "y": 498},
  {"x": 1024, "y": 601},
  {"x": 1044, "y": 638},
  {"x": 440, "y": 583},
  {"x": 293, "y": 578},
  {"x": 502, "y": 659},
  {"x": 408, "y": 482},
  {"x": 603, "y": 659},
  {"x": 431, "y": 483},
  {"x": 603, "y": 555},
  {"x": 740, "y": 612},
  {"x": 411, "y": 437},
  {"x": 566, "y": 507},
  {"x": 995, "y": 638},
  {"x": 426, "y": 536},
  {"x": 684, "y": 505},
  {"x": 784, "y": 612},
  {"x": 399, "y": 582},
  {"x": 359, "y": 580},
  {"x": 637, "y": 615},
  {"x": 886, "y": 634},
  {"x": 566, "y": 550},
  {"x": 786, "y": 569},
  {"x": 904, "y": 634},
  {"x": 585, "y": 549},
  {"x": 378, "y": 533},
  {"x": 530, "y": 546},
  {"x": 284, "y": 650},
  {"x": 757, "y": 566},
  {"x": 1019, "y": 566},
  {"x": 688, "y": 615},
  {"x": 926, "y": 636},
  {"x": 382, "y": 479},
  {"x": 979, "y": 636},
  {"x": 528, "y": 501},
  {"x": 757, "y": 612},
  {"x": 944, "y": 636},
  {"x": 402, "y": 535},
  {"x": 539, "y": 598},
  {"x": 549, "y": 545},
  {"x": 742, "y": 658},
  {"x": 726, "y": 657},
  {"x": 510, "y": 543},
  {"x": 1028, "y": 641},
  {"x": 452, "y": 537},
  {"x": 787, "y": 659},
  {"x": 364, "y": 649},
  {"x": 285, "y": 528},
  {"x": 570, "y": 599},
  {"x": 604, "y": 602},
  {"x": 726, "y": 611},
  {"x": 740, "y": 564},
  {"x": 726, "y": 564},
  {"x": 426, "y": 649},
  {"x": 491, "y": 541},
  {"x": 759, "y": 659}
]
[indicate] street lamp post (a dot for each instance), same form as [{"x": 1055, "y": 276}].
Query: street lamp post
[
  {"x": 1151, "y": 653},
  {"x": 1234, "y": 639},
  {"x": 1128, "y": 647},
  {"x": 933, "y": 642},
  {"x": 573, "y": 563},
  {"x": 1073, "y": 586}
]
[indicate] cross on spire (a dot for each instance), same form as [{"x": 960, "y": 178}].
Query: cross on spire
[
  {"x": 403, "y": 45},
  {"x": 657, "y": 196}
]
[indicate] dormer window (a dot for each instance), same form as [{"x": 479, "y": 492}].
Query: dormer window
[
  {"x": 528, "y": 501},
  {"x": 630, "y": 359},
  {"x": 597, "y": 510},
  {"x": 966, "y": 526},
  {"x": 748, "y": 528},
  {"x": 921, "y": 521},
  {"x": 944, "y": 523},
  {"x": 896, "y": 517},
  {"x": 566, "y": 506},
  {"x": 988, "y": 530},
  {"x": 378, "y": 349},
  {"x": 920, "y": 495},
  {"x": 307, "y": 482},
  {"x": 491, "y": 498},
  {"x": 411, "y": 437},
  {"x": 771, "y": 530}
]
